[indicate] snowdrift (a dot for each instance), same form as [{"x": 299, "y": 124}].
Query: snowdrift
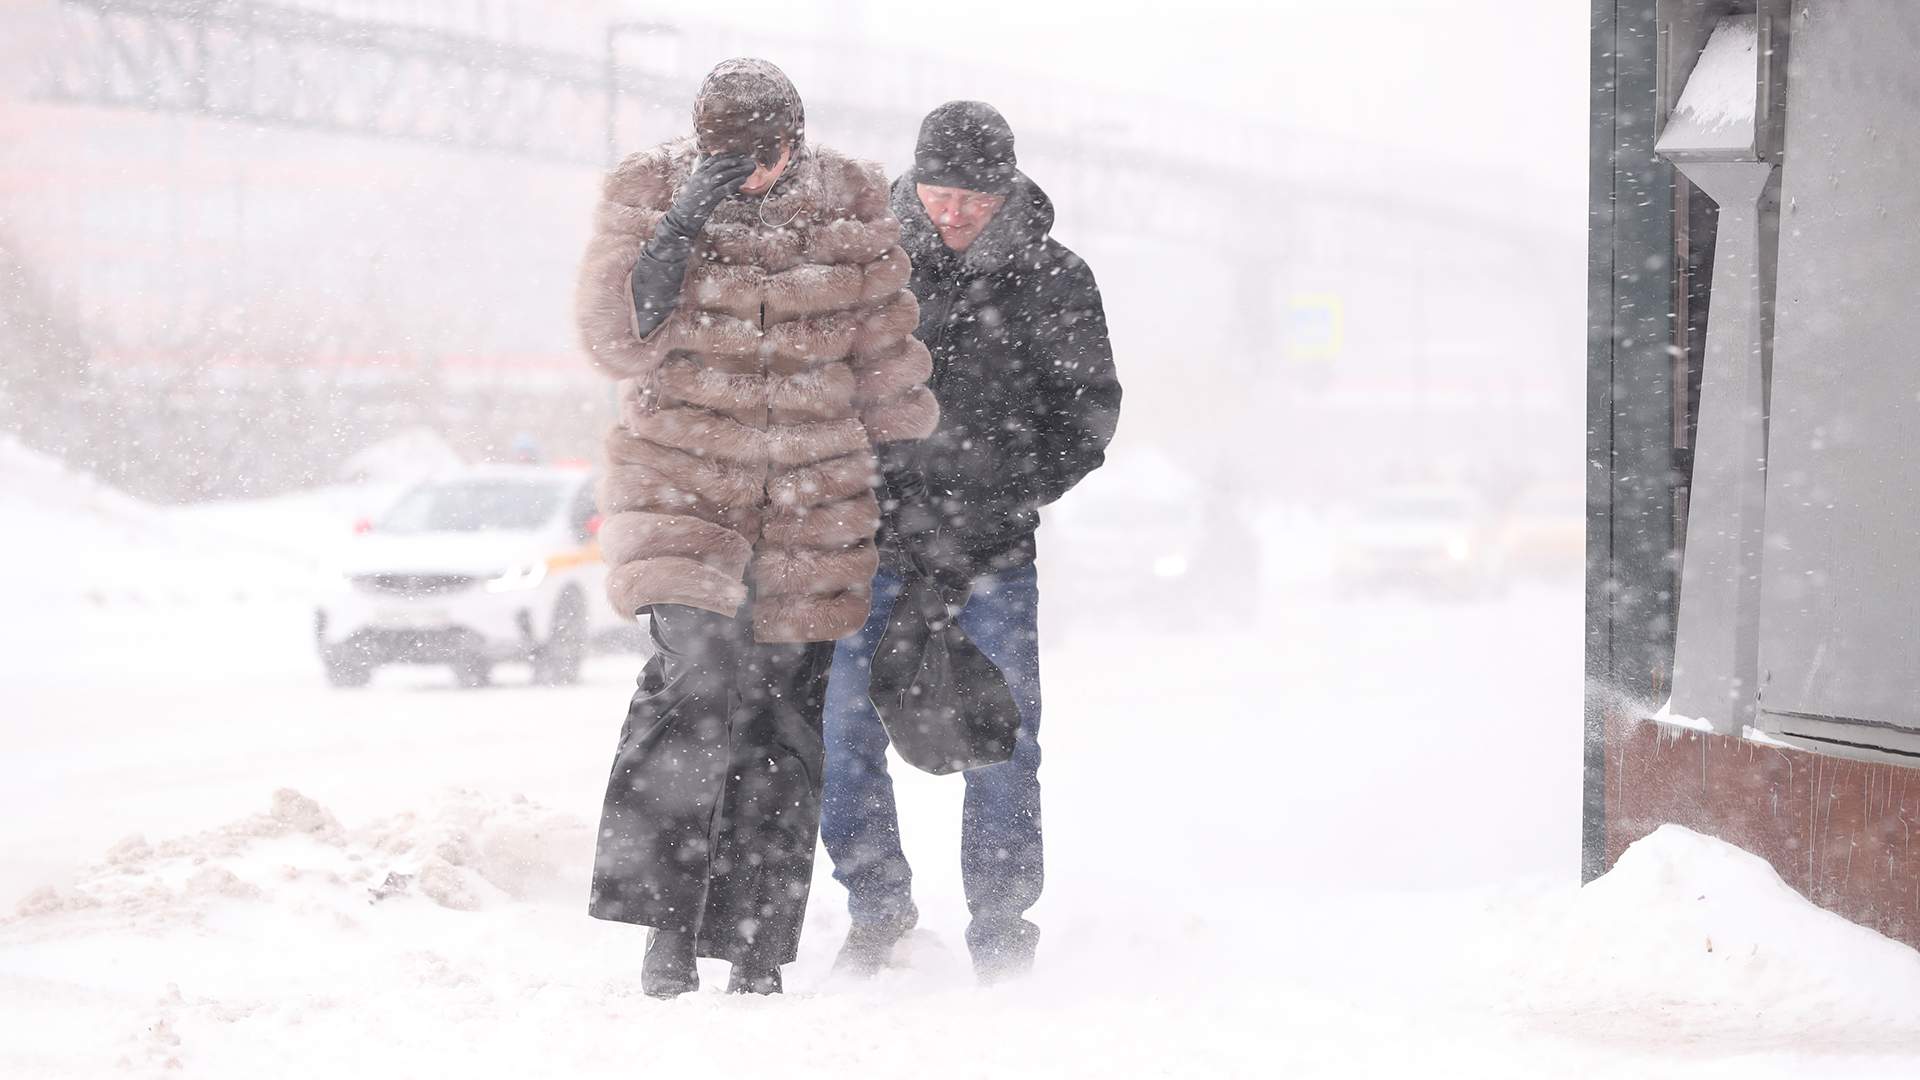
[
  {"x": 70, "y": 539},
  {"x": 451, "y": 941},
  {"x": 465, "y": 853},
  {"x": 1698, "y": 937}
]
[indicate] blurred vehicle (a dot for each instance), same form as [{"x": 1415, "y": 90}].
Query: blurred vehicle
[
  {"x": 1142, "y": 538},
  {"x": 1542, "y": 533},
  {"x": 1428, "y": 539},
  {"x": 473, "y": 568}
]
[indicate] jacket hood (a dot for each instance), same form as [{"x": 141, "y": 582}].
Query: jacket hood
[{"x": 1023, "y": 223}]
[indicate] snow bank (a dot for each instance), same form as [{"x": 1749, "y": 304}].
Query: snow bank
[
  {"x": 450, "y": 941},
  {"x": 285, "y": 943},
  {"x": 71, "y": 538},
  {"x": 466, "y": 853},
  {"x": 1705, "y": 935}
]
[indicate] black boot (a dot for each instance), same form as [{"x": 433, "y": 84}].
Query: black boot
[
  {"x": 754, "y": 977},
  {"x": 669, "y": 969},
  {"x": 1002, "y": 948},
  {"x": 870, "y": 942}
]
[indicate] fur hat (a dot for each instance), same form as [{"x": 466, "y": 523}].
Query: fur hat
[{"x": 748, "y": 106}]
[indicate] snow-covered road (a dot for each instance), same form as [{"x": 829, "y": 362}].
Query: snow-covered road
[{"x": 1270, "y": 853}]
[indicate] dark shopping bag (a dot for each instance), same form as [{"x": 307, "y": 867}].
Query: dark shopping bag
[{"x": 946, "y": 707}]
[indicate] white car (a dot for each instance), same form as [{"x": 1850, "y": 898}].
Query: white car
[
  {"x": 1431, "y": 539},
  {"x": 471, "y": 569}
]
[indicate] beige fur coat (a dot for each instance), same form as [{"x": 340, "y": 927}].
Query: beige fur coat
[{"x": 744, "y": 448}]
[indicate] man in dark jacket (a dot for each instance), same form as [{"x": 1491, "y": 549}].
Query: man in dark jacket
[{"x": 1028, "y": 399}]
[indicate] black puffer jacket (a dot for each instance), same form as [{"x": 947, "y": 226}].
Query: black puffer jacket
[{"x": 1023, "y": 372}]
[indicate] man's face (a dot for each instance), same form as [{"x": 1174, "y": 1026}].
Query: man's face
[{"x": 958, "y": 213}]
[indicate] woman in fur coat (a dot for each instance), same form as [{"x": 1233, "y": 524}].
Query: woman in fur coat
[{"x": 748, "y": 291}]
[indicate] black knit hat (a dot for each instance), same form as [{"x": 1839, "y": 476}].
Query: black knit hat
[{"x": 966, "y": 144}]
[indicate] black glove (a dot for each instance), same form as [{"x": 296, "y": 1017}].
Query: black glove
[
  {"x": 712, "y": 181},
  {"x": 933, "y": 556},
  {"x": 916, "y": 525},
  {"x": 944, "y": 595},
  {"x": 905, "y": 485},
  {"x": 662, "y": 267}
]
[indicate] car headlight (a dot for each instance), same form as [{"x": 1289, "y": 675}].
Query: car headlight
[
  {"x": 1458, "y": 549},
  {"x": 1170, "y": 566},
  {"x": 527, "y": 576}
]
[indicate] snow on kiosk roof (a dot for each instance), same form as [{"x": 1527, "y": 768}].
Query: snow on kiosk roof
[{"x": 1715, "y": 117}]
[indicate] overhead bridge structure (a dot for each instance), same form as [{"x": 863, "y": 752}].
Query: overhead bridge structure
[{"x": 299, "y": 68}]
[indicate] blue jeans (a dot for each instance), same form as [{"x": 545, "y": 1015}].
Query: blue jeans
[{"x": 1000, "y": 858}]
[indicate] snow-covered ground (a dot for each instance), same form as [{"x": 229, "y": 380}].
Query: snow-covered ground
[{"x": 1339, "y": 843}]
